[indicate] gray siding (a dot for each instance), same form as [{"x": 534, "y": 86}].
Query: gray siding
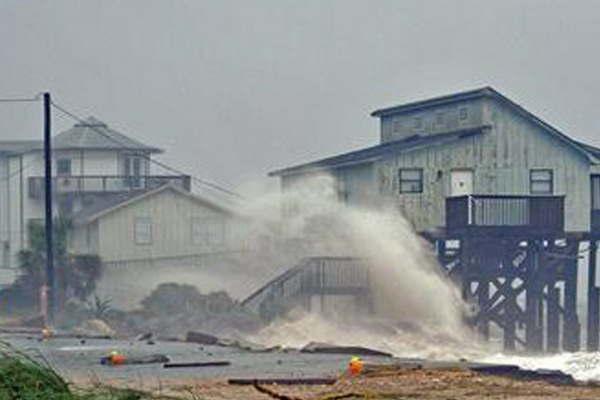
[
  {"x": 426, "y": 210},
  {"x": 501, "y": 160},
  {"x": 522, "y": 146},
  {"x": 357, "y": 185},
  {"x": 172, "y": 214},
  {"x": 399, "y": 126}
]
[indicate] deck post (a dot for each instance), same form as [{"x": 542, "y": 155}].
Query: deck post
[
  {"x": 483, "y": 291},
  {"x": 571, "y": 327},
  {"x": 532, "y": 277},
  {"x": 553, "y": 319}
]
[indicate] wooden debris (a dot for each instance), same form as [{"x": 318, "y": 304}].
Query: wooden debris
[
  {"x": 197, "y": 364},
  {"x": 323, "y": 348},
  {"x": 201, "y": 338},
  {"x": 283, "y": 381}
]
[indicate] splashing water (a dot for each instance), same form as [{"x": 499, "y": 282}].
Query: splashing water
[
  {"x": 582, "y": 366},
  {"x": 418, "y": 311}
]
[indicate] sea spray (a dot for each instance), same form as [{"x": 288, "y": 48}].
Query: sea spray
[{"x": 417, "y": 310}]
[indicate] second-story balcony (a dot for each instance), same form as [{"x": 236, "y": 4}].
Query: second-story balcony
[
  {"x": 104, "y": 183},
  {"x": 500, "y": 215}
]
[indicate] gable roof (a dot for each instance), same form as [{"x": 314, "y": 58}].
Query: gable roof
[
  {"x": 111, "y": 204},
  {"x": 489, "y": 92},
  {"x": 373, "y": 153},
  {"x": 91, "y": 134}
]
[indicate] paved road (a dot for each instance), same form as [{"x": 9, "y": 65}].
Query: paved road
[{"x": 77, "y": 361}]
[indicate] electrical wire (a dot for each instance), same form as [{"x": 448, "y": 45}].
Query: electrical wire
[{"x": 161, "y": 164}]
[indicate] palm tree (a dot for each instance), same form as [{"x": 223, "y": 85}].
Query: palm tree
[{"x": 75, "y": 276}]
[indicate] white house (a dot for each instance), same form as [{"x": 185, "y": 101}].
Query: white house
[{"x": 92, "y": 164}]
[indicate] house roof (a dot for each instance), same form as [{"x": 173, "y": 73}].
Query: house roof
[
  {"x": 95, "y": 134},
  {"x": 19, "y": 146},
  {"x": 116, "y": 202},
  {"x": 489, "y": 92},
  {"x": 370, "y": 154},
  {"x": 91, "y": 134}
]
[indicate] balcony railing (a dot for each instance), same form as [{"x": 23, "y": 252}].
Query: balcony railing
[
  {"x": 504, "y": 214},
  {"x": 104, "y": 183}
]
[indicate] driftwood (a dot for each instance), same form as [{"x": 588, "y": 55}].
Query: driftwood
[
  {"x": 197, "y": 364},
  {"x": 201, "y": 338},
  {"x": 283, "y": 381},
  {"x": 324, "y": 348}
]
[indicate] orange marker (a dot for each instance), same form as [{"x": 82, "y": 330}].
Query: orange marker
[{"x": 355, "y": 366}]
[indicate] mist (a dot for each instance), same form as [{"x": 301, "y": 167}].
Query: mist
[{"x": 253, "y": 86}]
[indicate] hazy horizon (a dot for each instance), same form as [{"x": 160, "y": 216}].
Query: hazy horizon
[{"x": 231, "y": 90}]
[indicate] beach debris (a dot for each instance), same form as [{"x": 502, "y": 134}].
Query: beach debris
[
  {"x": 94, "y": 327},
  {"x": 144, "y": 336},
  {"x": 355, "y": 366},
  {"x": 113, "y": 358},
  {"x": 46, "y": 333},
  {"x": 245, "y": 345},
  {"x": 325, "y": 348},
  {"x": 117, "y": 358},
  {"x": 282, "y": 381},
  {"x": 201, "y": 338},
  {"x": 197, "y": 364}
]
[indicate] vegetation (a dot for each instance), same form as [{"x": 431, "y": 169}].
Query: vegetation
[
  {"x": 75, "y": 276},
  {"x": 100, "y": 308},
  {"x": 175, "y": 298},
  {"x": 25, "y": 378}
]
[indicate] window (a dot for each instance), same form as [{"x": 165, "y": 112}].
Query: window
[
  {"x": 208, "y": 231},
  {"x": 133, "y": 171},
  {"x": 143, "y": 230},
  {"x": 541, "y": 181},
  {"x": 63, "y": 166},
  {"x": 418, "y": 123},
  {"x": 411, "y": 180},
  {"x": 463, "y": 113},
  {"x": 439, "y": 118}
]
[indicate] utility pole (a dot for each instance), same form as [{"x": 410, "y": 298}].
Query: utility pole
[{"x": 50, "y": 283}]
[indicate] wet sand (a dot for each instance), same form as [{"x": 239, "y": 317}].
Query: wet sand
[{"x": 442, "y": 384}]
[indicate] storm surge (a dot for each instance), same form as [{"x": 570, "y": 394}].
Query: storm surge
[{"x": 417, "y": 310}]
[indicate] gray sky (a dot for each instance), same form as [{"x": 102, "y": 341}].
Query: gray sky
[{"x": 233, "y": 89}]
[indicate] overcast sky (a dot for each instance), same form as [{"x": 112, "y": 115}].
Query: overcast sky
[{"x": 234, "y": 89}]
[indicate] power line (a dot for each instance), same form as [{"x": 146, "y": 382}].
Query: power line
[{"x": 162, "y": 165}]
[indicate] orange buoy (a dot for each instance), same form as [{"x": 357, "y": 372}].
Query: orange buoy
[
  {"x": 355, "y": 366},
  {"x": 117, "y": 359}
]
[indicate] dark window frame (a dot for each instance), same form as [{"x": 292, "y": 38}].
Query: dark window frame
[
  {"x": 532, "y": 181},
  {"x": 137, "y": 235},
  {"x": 60, "y": 167},
  {"x": 419, "y": 181}
]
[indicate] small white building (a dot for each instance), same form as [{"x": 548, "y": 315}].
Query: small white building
[{"x": 166, "y": 234}]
